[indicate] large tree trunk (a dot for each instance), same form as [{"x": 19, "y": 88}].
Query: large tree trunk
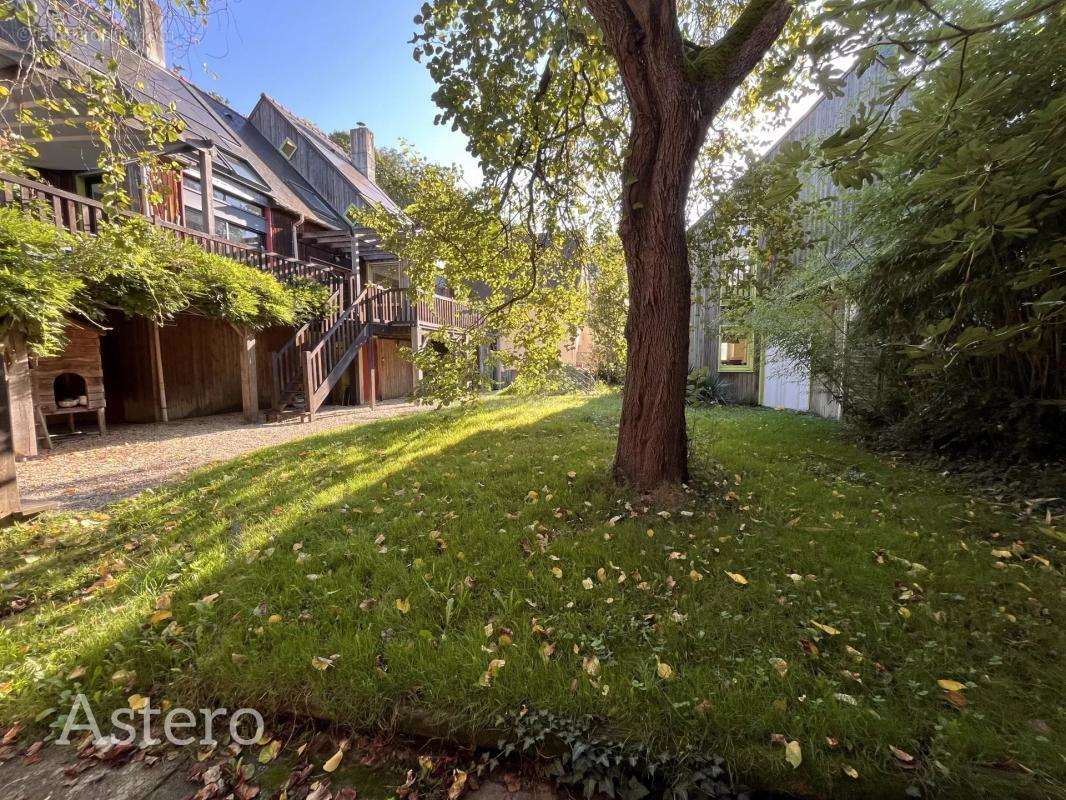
[
  {"x": 673, "y": 99},
  {"x": 652, "y": 440}
]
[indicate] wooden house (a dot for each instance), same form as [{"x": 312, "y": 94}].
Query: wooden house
[
  {"x": 753, "y": 371},
  {"x": 269, "y": 190}
]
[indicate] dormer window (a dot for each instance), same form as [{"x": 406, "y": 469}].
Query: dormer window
[{"x": 288, "y": 148}]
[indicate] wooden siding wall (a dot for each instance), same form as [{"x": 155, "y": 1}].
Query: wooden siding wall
[
  {"x": 201, "y": 369},
  {"x": 168, "y": 183},
  {"x": 703, "y": 352},
  {"x": 128, "y": 380},
  {"x": 307, "y": 160},
  {"x": 281, "y": 224},
  {"x": 394, "y": 377},
  {"x": 826, "y": 116}
]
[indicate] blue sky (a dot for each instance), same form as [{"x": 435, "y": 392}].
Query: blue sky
[{"x": 335, "y": 62}]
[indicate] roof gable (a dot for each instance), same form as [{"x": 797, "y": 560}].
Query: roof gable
[{"x": 333, "y": 155}]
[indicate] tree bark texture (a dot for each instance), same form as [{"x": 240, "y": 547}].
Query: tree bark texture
[{"x": 671, "y": 108}]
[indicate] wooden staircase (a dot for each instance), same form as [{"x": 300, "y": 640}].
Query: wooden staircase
[{"x": 312, "y": 362}]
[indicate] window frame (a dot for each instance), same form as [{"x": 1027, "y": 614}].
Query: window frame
[{"x": 747, "y": 336}]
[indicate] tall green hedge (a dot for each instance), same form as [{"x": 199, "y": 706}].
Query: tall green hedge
[{"x": 135, "y": 268}]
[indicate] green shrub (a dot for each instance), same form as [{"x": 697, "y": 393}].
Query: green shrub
[
  {"x": 308, "y": 299},
  {"x": 707, "y": 388},
  {"x": 220, "y": 287},
  {"x": 36, "y": 285},
  {"x": 129, "y": 267},
  {"x": 137, "y": 269}
]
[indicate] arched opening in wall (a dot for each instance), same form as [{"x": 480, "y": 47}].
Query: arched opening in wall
[{"x": 70, "y": 390}]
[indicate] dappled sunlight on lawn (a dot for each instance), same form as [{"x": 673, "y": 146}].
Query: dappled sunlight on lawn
[{"x": 464, "y": 567}]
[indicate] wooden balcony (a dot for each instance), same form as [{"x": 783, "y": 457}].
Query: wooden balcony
[{"x": 82, "y": 215}]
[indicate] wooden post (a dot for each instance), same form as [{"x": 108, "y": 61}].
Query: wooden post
[
  {"x": 207, "y": 189},
  {"x": 416, "y": 345},
  {"x": 10, "y": 501},
  {"x": 356, "y": 269},
  {"x": 308, "y": 385},
  {"x": 249, "y": 376},
  {"x": 373, "y": 356},
  {"x": 20, "y": 398},
  {"x": 156, "y": 355},
  {"x": 143, "y": 188}
]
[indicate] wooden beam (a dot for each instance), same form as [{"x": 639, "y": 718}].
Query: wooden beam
[
  {"x": 207, "y": 190},
  {"x": 20, "y": 398},
  {"x": 155, "y": 354},
  {"x": 249, "y": 376},
  {"x": 10, "y": 500},
  {"x": 373, "y": 355},
  {"x": 360, "y": 371},
  {"x": 416, "y": 345},
  {"x": 356, "y": 266}
]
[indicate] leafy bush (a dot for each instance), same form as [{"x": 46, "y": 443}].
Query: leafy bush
[
  {"x": 308, "y": 299},
  {"x": 226, "y": 289},
  {"x": 36, "y": 286},
  {"x": 128, "y": 267},
  {"x": 133, "y": 267},
  {"x": 707, "y": 388},
  {"x": 932, "y": 302}
]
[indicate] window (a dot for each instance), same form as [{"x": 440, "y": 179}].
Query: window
[
  {"x": 288, "y": 148},
  {"x": 735, "y": 350},
  {"x": 238, "y": 203},
  {"x": 242, "y": 169},
  {"x": 236, "y": 233},
  {"x": 94, "y": 186}
]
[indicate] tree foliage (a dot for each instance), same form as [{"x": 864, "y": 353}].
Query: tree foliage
[
  {"x": 36, "y": 288},
  {"x": 931, "y": 295},
  {"x": 524, "y": 290},
  {"x": 75, "y": 66}
]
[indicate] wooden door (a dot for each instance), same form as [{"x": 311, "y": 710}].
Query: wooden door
[{"x": 394, "y": 376}]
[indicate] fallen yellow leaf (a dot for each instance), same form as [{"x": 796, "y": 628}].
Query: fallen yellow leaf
[
  {"x": 738, "y": 578},
  {"x": 137, "y": 702},
  {"x": 794, "y": 754},
  {"x": 270, "y": 752},
  {"x": 403, "y": 605},
  {"x": 333, "y": 762},
  {"x": 950, "y": 685}
]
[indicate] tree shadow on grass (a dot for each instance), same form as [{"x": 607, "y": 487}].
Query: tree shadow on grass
[{"x": 308, "y": 549}]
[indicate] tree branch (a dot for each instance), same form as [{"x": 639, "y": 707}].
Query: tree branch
[{"x": 723, "y": 65}]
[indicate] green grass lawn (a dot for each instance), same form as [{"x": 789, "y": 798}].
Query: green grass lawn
[{"x": 802, "y": 591}]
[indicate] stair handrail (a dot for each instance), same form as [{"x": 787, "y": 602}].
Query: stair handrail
[{"x": 287, "y": 365}]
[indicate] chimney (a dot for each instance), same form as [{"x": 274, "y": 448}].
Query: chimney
[
  {"x": 364, "y": 157},
  {"x": 146, "y": 31}
]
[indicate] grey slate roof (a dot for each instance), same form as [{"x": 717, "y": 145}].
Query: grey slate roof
[{"x": 288, "y": 188}]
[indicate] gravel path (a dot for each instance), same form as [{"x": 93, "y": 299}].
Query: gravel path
[{"x": 87, "y": 471}]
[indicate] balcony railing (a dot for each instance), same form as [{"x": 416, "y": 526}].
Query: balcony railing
[{"x": 83, "y": 215}]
